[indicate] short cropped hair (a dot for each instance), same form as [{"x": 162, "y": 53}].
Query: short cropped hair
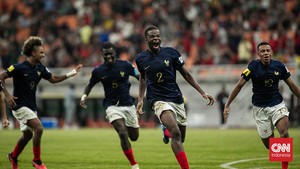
[
  {"x": 107, "y": 45},
  {"x": 30, "y": 45},
  {"x": 262, "y": 43},
  {"x": 150, "y": 28}
]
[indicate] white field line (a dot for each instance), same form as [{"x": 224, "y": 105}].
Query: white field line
[{"x": 228, "y": 165}]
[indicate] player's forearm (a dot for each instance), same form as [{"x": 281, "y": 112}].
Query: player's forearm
[
  {"x": 87, "y": 90},
  {"x": 142, "y": 89},
  {"x": 232, "y": 96},
  {"x": 57, "y": 79},
  {"x": 191, "y": 80},
  {"x": 3, "y": 107},
  {"x": 195, "y": 84},
  {"x": 295, "y": 91}
]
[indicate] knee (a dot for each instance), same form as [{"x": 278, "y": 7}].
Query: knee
[
  {"x": 284, "y": 134},
  {"x": 175, "y": 134},
  {"x": 134, "y": 138},
  {"x": 39, "y": 130}
]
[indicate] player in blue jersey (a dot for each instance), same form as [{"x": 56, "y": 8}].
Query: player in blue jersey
[
  {"x": 157, "y": 66},
  {"x": 26, "y": 76},
  {"x": 269, "y": 110},
  {"x": 119, "y": 104}
]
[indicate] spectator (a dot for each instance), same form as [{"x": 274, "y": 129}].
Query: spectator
[{"x": 70, "y": 107}]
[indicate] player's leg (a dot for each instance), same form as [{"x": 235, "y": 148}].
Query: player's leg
[
  {"x": 282, "y": 127},
  {"x": 280, "y": 118},
  {"x": 133, "y": 133},
  {"x": 19, "y": 147},
  {"x": 183, "y": 132},
  {"x": 22, "y": 142},
  {"x": 266, "y": 140},
  {"x": 167, "y": 118},
  {"x": 22, "y": 116},
  {"x": 181, "y": 119},
  {"x": 131, "y": 121},
  {"x": 37, "y": 128},
  {"x": 121, "y": 129}
]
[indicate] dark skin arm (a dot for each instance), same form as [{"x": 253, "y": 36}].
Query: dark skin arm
[
  {"x": 10, "y": 100},
  {"x": 293, "y": 87},
  {"x": 5, "y": 121},
  {"x": 56, "y": 79},
  {"x": 88, "y": 88},
  {"x": 189, "y": 78},
  {"x": 142, "y": 90},
  {"x": 235, "y": 91}
]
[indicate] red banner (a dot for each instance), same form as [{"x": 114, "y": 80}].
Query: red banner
[{"x": 281, "y": 149}]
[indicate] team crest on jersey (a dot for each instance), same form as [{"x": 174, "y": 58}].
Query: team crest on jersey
[
  {"x": 11, "y": 68},
  {"x": 39, "y": 73},
  {"x": 122, "y": 73},
  {"x": 276, "y": 73},
  {"x": 246, "y": 72},
  {"x": 167, "y": 63}
]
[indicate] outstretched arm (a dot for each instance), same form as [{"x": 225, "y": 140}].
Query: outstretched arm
[
  {"x": 56, "y": 79},
  {"x": 237, "y": 88},
  {"x": 189, "y": 78}
]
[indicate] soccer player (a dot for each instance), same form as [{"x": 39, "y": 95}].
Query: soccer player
[
  {"x": 26, "y": 76},
  {"x": 119, "y": 104},
  {"x": 157, "y": 66},
  {"x": 269, "y": 110}
]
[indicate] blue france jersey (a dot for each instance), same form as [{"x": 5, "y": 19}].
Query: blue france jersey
[
  {"x": 160, "y": 73},
  {"x": 265, "y": 82},
  {"x": 25, "y": 80},
  {"x": 115, "y": 80}
]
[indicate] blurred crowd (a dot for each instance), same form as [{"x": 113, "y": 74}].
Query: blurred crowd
[{"x": 204, "y": 31}]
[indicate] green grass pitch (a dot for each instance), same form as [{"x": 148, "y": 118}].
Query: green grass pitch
[{"x": 100, "y": 149}]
